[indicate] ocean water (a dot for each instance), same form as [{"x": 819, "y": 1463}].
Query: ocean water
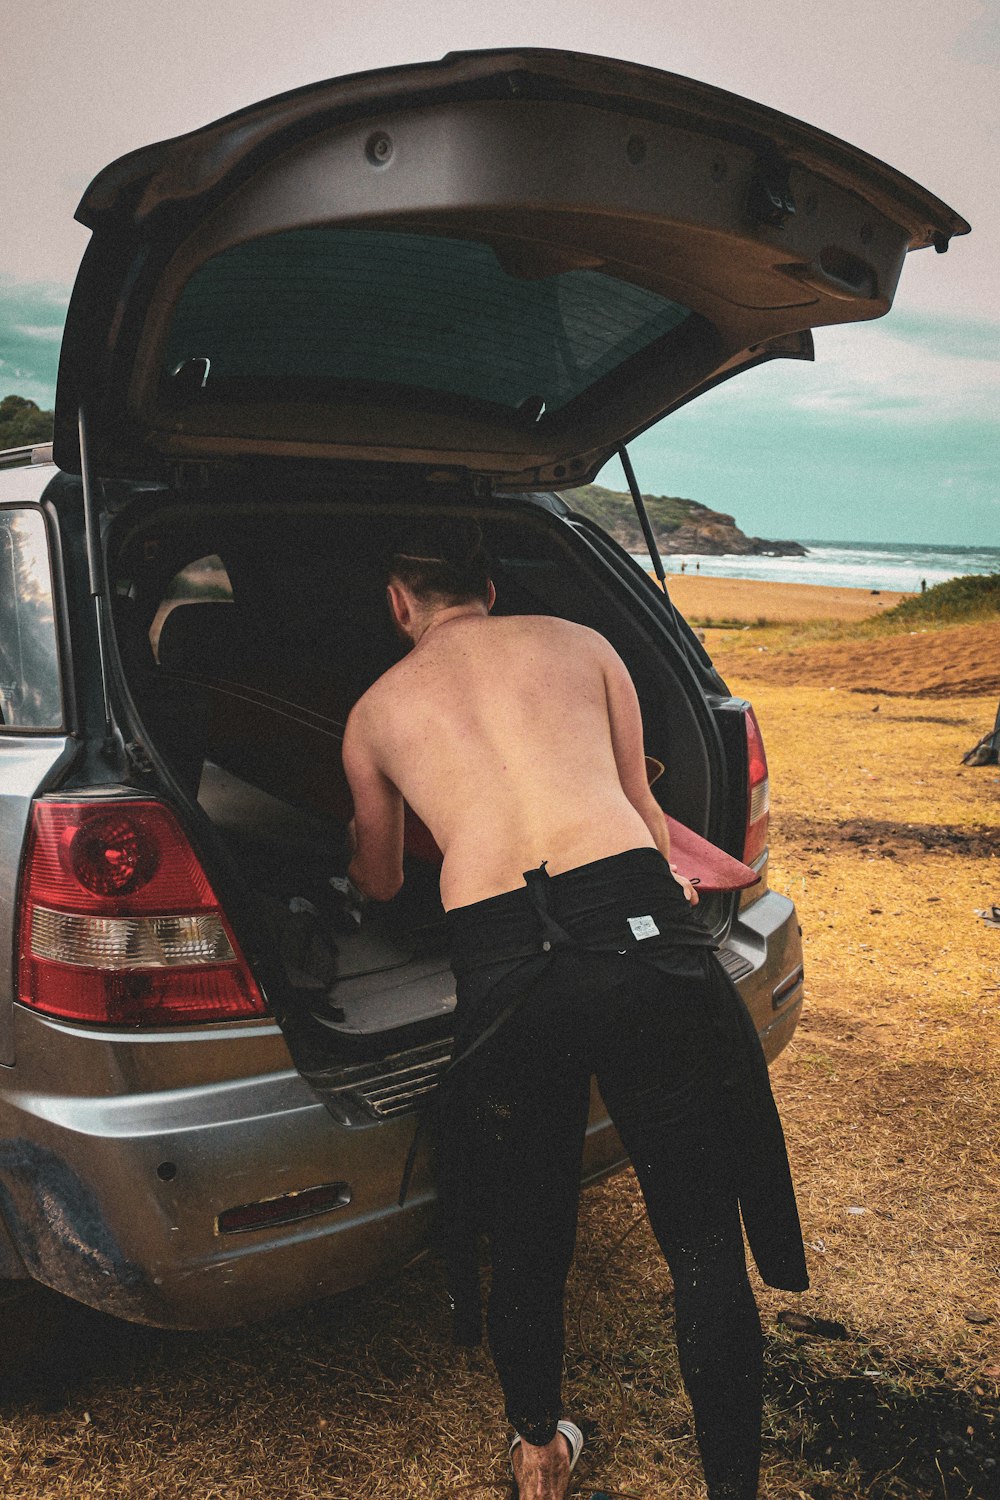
[{"x": 856, "y": 565}]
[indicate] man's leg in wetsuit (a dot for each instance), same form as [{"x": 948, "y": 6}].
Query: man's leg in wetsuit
[
  {"x": 657, "y": 1075},
  {"x": 532, "y": 1117},
  {"x": 649, "y": 1040}
]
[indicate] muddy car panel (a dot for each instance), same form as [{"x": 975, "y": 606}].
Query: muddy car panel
[{"x": 122, "y": 1153}]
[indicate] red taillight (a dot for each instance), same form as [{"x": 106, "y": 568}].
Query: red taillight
[
  {"x": 119, "y": 923},
  {"x": 758, "y": 791},
  {"x": 109, "y": 854}
]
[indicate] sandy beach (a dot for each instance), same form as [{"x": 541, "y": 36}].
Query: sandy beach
[
  {"x": 751, "y": 601},
  {"x": 749, "y": 629}
]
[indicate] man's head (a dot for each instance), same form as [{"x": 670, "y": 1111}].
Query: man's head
[{"x": 437, "y": 567}]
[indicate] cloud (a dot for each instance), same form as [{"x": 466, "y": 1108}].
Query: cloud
[
  {"x": 893, "y": 435},
  {"x": 966, "y": 338},
  {"x": 792, "y": 473},
  {"x": 924, "y": 369},
  {"x": 908, "y": 369},
  {"x": 32, "y": 315},
  {"x": 979, "y": 42},
  {"x": 33, "y": 331}
]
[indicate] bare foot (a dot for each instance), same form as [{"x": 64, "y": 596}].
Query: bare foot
[{"x": 542, "y": 1473}]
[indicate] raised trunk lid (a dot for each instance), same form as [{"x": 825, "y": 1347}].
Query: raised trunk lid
[{"x": 504, "y": 263}]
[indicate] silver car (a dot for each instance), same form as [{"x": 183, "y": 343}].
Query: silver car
[{"x": 463, "y": 285}]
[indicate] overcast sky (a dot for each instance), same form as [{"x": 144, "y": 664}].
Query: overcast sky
[{"x": 892, "y": 434}]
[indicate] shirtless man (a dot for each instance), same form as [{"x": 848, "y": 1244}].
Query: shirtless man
[
  {"x": 524, "y": 725},
  {"x": 518, "y": 741}
]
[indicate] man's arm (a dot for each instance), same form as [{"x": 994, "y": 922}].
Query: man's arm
[
  {"x": 376, "y": 830},
  {"x": 625, "y": 719}
]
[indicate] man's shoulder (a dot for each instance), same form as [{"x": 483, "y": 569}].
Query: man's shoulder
[
  {"x": 368, "y": 705},
  {"x": 567, "y": 635},
  {"x": 554, "y": 626}
]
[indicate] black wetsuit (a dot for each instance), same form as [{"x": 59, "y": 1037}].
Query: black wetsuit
[{"x": 604, "y": 969}]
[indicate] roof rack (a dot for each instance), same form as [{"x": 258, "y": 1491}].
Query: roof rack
[{"x": 30, "y": 453}]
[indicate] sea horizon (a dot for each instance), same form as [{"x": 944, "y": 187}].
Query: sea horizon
[{"x": 885, "y": 566}]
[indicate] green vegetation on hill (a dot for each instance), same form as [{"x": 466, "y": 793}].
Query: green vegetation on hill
[
  {"x": 611, "y": 508},
  {"x": 22, "y": 422},
  {"x": 976, "y": 597},
  {"x": 679, "y": 526}
]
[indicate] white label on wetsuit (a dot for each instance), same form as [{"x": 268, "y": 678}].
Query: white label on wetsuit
[{"x": 643, "y": 927}]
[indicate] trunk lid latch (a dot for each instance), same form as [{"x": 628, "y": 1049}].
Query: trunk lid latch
[{"x": 770, "y": 198}]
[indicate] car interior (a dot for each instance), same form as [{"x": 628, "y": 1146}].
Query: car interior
[{"x": 246, "y": 633}]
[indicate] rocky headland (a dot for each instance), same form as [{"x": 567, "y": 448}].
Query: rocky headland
[{"x": 680, "y": 526}]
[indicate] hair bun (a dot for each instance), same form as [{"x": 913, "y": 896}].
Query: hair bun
[{"x": 441, "y": 558}]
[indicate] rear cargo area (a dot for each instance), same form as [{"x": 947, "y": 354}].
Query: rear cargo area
[{"x": 246, "y": 632}]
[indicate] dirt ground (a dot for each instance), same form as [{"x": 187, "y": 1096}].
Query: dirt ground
[
  {"x": 883, "y": 1380},
  {"x": 955, "y": 661}
]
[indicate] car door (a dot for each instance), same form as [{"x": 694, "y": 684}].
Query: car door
[{"x": 33, "y": 716}]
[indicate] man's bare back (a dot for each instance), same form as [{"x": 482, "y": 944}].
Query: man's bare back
[{"x": 515, "y": 739}]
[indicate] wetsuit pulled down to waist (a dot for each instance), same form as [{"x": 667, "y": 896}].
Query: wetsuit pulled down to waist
[
  {"x": 626, "y": 904},
  {"x": 597, "y": 927},
  {"x": 589, "y": 906}
]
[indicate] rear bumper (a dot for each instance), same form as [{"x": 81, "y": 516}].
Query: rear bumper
[
  {"x": 113, "y": 1197},
  {"x": 763, "y": 952},
  {"x": 111, "y": 1190}
]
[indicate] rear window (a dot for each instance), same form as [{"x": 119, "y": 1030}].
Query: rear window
[
  {"x": 30, "y": 696},
  {"x": 421, "y": 313}
]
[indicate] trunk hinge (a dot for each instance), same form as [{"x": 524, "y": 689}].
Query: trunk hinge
[
  {"x": 138, "y": 759},
  {"x": 95, "y": 579}
]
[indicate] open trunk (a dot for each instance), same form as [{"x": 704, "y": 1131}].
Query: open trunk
[
  {"x": 246, "y": 631},
  {"x": 503, "y": 264}
]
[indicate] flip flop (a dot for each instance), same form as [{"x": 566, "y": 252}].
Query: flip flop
[{"x": 574, "y": 1440}]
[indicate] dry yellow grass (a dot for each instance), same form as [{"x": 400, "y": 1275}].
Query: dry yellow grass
[
  {"x": 890, "y": 1087},
  {"x": 889, "y": 1096}
]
